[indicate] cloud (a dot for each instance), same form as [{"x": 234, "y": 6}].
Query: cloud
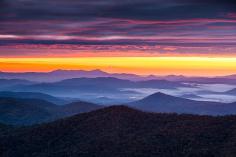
[
  {"x": 135, "y": 9},
  {"x": 232, "y": 15},
  {"x": 204, "y": 25}
]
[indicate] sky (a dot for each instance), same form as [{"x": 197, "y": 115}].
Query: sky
[{"x": 109, "y": 30}]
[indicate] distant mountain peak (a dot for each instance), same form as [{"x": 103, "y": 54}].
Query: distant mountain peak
[
  {"x": 159, "y": 94},
  {"x": 162, "y": 97},
  {"x": 64, "y": 70},
  {"x": 97, "y": 70}
]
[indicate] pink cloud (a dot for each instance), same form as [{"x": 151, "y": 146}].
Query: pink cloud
[
  {"x": 231, "y": 15},
  {"x": 169, "y": 48}
]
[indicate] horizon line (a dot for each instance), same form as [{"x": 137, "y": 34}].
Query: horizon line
[{"x": 50, "y": 71}]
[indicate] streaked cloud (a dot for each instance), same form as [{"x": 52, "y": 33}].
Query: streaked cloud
[{"x": 152, "y": 26}]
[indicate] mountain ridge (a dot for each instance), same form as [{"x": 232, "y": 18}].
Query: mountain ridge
[
  {"x": 16, "y": 111},
  {"x": 121, "y": 131},
  {"x": 160, "y": 102},
  {"x": 60, "y": 74},
  {"x": 32, "y": 95}
]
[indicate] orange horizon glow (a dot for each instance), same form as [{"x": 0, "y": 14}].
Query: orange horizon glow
[{"x": 189, "y": 66}]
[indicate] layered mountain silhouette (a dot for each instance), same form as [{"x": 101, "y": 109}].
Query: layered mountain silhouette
[
  {"x": 102, "y": 85},
  {"x": 18, "y": 111},
  {"x": 120, "y": 131},
  {"x": 160, "y": 102},
  {"x": 111, "y": 82},
  {"x": 33, "y": 111},
  {"x": 33, "y": 95},
  {"x": 59, "y": 75},
  {"x": 7, "y": 83}
]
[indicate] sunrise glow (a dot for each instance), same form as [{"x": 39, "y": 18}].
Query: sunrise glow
[{"x": 192, "y": 66}]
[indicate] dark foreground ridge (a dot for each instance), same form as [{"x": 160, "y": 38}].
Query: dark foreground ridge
[{"x": 120, "y": 131}]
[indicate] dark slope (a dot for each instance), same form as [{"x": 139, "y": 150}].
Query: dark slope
[
  {"x": 32, "y": 111},
  {"x": 25, "y": 111},
  {"x": 123, "y": 132},
  {"x": 33, "y": 95},
  {"x": 160, "y": 102},
  {"x": 78, "y": 107},
  {"x": 5, "y": 129}
]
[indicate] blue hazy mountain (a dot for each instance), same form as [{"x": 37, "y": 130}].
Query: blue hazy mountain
[
  {"x": 7, "y": 83},
  {"x": 163, "y": 103},
  {"x": 108, "y": 101},
  {"x": 100, "y": 85},
  {"x": 33, "y": 95},
  {"x": 17, "y": 111},
  {"x": 59, "y": 75}
]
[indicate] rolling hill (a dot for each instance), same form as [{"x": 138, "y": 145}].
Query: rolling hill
[
  {"x": 111, "y": 82},
  {"x": 160, "y": 102},
  {"x": 59, "y": 75},
  {"x": 8, "y": 83},
  {"x": 33, "y": 111},
  {"x": 100, "y": 86},
  {"x": 78, "y": 107},
  {"x": 120, "y": 131},
  {"x": 25, "y": 111},
  {"x": 33, "y": 95}
]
